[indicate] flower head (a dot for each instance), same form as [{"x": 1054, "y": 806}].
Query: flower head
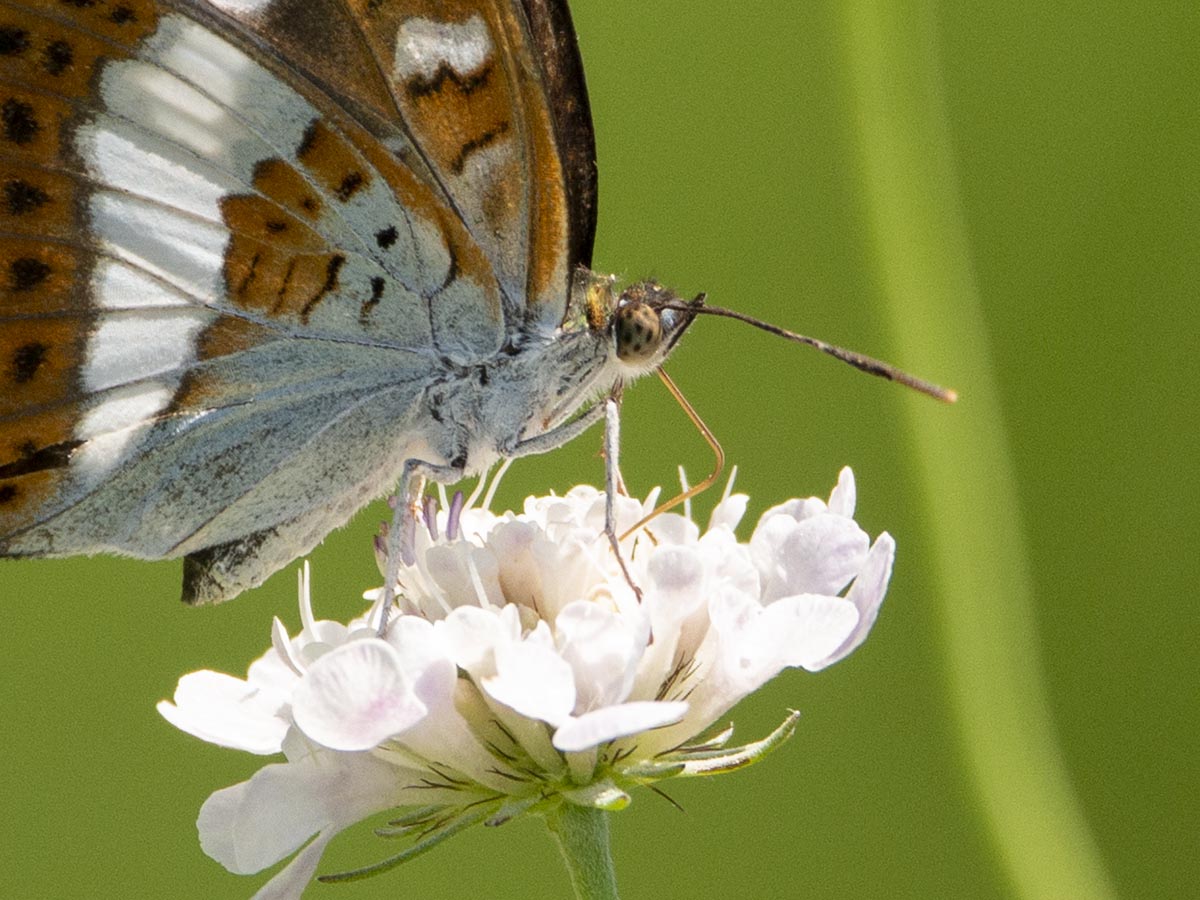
[{"x": 521, "y": 670}]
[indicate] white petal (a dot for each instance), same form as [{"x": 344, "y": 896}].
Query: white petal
[
  {"x": 602, "y": 649},
  {"x": 471, "y": 635},
  {"x": 612, "y": 722},
  {"x": 756, "y": 643},
  {"x": 290, "y": 881},
  {"x": 533, "y": 680},
  {"x": 255, "y": 824},
  {"x": 355, "y": 697},
  {"x": 844, "y": 496},
  {"x": 227, "y": 711},
  {"x": 804, "y": 629},
  {"x": 462, "y": 570},
  {"x": 795, "y": 509},
  {"x": 818, "y": 555},
  {"x": 423, "y": 658},
  {"x": 272, "y": 671},
  {"x": 729, "y": 562},
  {"x": 728, "y": 513},
  {"x": 511, "y": 542},
  {"x": 670, "y": 528},
  {"x": 677, "y": 576},
  {"x": 866, "y": 594}
]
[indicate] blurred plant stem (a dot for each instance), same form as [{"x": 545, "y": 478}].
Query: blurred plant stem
[
  {"x": 582, "y": 836},
  {"x": 974, "y": 536}
]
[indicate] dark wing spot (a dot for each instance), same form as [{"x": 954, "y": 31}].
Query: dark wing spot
[
  {"x": 8, "y": 494},
  {"x": 331, "y": 276},
  {"x": 387, "y": 237},
  {"x": 285, "y": 284},
  {"x": 53, "y": 457},
  {"x": 250, "y": 273},
  {"x": 309, "y": 203},
  {"x": 377, "y": 286},
  {"x": 21, "y": 197},
  {"x": 27, "y": 360},
  {"x": 80, "y": 4},
  {"x": 475, "y": 145},
  {"x": 57, "y": 57},
  {"x": 123, "y": 15},
  {"x": 425, "y": 87},
  {"x": 19, "y": 122},
  {"x": 308, "y": 140},
  {"x": 276, "y": 227},
  {"x": 13, "y": 41},
  {"x": 26, "y": 273},
  {"x": 350, "y": 184}
]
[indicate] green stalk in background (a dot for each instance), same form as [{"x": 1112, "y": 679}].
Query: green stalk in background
[{"x": 980, "y": 572}]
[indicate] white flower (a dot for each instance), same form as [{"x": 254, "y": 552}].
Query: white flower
[{"x": 521, "y": 670}]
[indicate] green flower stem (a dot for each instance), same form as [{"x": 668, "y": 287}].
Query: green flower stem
[
  {"x": 582, "y": 835},
  {"x": 974, "y": 538}
]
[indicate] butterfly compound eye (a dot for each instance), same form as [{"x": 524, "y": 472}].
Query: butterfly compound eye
[{"x": 638, "y": 331}]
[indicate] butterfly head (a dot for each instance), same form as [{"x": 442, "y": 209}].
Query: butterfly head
[
  {"x": 644, "y": 322},
  {"x": 647, "y": 322}
]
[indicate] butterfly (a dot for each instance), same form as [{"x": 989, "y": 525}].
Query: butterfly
[{"x": 261, "y": 259}]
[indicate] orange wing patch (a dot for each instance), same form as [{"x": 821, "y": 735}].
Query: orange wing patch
[
  {"x": 54, "y": 51},
  {"x": 332, "y": 162}
]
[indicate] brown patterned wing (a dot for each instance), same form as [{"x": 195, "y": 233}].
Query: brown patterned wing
[{"x": 485, "y": 99}]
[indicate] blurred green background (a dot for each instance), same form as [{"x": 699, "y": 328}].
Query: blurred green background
[{"x": 1004, "y": 197}]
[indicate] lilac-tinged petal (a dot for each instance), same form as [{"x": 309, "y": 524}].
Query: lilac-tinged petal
[
  {"x": 621, "y": 720},
  {"x": 355, "y": 697},
  {"x": 866, "y": 594},
  {"x": 227, "y": 711}
]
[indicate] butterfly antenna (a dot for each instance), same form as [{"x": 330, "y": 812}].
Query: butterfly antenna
[
  {"x": 711, "y": 438},
  {"x": 860, "y": 361}
]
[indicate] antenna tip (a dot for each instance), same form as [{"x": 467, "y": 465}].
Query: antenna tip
[{"x": 949, "y": 395}]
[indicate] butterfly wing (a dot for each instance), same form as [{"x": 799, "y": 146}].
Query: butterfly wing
[
  {"x": 490, "y": 100},
  {"x": 231, "y": 273}
]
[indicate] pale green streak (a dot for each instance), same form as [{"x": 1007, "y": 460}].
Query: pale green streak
[{"x": 980, "y": 572}]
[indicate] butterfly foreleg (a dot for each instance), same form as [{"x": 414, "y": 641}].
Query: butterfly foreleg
[
  {"x": 402, "y": 532},
  {"x": 556, "y": 436}
]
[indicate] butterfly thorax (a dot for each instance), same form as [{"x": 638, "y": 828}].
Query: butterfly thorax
[{"x": 485, "y": 412}]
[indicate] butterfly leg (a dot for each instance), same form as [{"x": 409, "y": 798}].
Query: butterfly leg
[
  {"x": 609, "y": 410},
  {"x": 557, "y": 436},
  {"x": 401, "y": 537},
  {"x": 613, "y": 483}
]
